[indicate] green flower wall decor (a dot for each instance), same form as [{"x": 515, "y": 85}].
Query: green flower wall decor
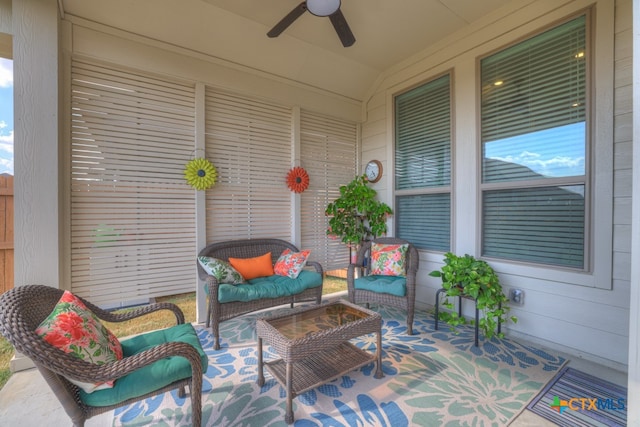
[{"x": 200, "y": 173}]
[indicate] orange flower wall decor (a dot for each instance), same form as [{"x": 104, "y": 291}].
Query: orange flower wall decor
[{"x": 297, "y": 179}]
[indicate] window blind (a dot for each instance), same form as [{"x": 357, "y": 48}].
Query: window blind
[
  {"x": 423, "y": 165},
  {"x": 132, "y": 214},
  {"x": 426, "y": 218},
  {"x": 544, "y": 225},
  {"x": 328, "y": 151},
  {"x": 535, "y": 88},
  {"x": 249, "y": 142},
  {"x": 423, "y": 136}
]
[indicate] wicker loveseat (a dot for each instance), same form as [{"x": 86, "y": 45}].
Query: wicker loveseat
[{"x": 227, "y": 301}]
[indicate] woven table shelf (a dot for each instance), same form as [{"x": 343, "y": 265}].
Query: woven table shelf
[{"x": 322, "y": 367}]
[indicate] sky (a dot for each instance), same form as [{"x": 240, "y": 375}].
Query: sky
[
  {"x": 6, "y": 116},
  {"x": 555, "y": 152}
]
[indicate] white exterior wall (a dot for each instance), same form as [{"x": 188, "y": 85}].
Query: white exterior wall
[
  {"x": 90, "y": 40},
  {"x": 97, "y": 41},
  {"x": 585, "y": 314}
]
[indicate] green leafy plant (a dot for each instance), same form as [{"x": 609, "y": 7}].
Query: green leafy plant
[
  {"x": 357, "y": 215},
  {"x": 469, "y": 277}
]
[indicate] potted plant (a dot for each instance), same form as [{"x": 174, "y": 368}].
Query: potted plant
[
  {"x": 357, "y": 215},
  {"x": 467, "y": 276}
]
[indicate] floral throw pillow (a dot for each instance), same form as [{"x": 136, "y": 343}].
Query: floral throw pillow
[
  {"x": 74, "y": 329},
  {"x": 290, "y": 263},
  {"x": 221, "y": 270},
  {"x": 388, "y": 260}
]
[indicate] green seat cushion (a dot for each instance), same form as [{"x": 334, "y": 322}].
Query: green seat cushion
[
  {"x": 151, "y": 377},
  {"x": 394, "y": 285},
  {"x": 269, "y": 287}
]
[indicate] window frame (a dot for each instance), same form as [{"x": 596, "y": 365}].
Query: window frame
[
  {"x": 599, "y": 156},
  {"x": 525, "y": 185},
  {"x": 448, "y": 189}
]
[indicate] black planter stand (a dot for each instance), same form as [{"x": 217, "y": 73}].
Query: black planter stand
[{"x": 460, "y": 312}]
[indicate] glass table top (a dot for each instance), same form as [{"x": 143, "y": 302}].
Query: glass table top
[{"x": 325, "y": 317}]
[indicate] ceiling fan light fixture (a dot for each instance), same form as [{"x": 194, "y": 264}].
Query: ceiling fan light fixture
[{"x": 323, "y": 7}]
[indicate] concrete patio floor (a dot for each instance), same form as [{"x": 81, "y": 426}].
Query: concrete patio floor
[{"x": 27, "y": 401}]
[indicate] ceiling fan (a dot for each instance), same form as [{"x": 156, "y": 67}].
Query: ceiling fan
[{"x": 330, "y": 8}]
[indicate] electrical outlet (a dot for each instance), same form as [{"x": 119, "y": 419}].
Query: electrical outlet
[{"x": 516, "y": 296}]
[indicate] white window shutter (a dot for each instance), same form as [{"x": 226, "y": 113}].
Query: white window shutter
[
  {"x": 249, "y": 142},
  {"x": 132, "y": 213},
  {"x": 329, "y": 154}
]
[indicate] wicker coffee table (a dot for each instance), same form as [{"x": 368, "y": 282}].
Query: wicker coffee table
[{"x": 314, "y": 346}]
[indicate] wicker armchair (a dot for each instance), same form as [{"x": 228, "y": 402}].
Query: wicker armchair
[
  {"x": 23, "y": 308},
  {"x": 360, "y": 296}
]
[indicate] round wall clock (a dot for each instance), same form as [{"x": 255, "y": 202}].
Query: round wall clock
[{"x": 373, "y": 171}]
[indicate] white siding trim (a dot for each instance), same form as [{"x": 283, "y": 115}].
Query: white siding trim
[
  {"x": 201, "y": 207},
  {"x": 296, "y": 153}
]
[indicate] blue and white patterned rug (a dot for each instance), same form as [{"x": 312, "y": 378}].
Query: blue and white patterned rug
[{"x": 432, "y": 378}]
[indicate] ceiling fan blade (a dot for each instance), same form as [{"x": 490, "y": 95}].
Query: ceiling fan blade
[
  {"x": 342, "y": 28},
  {"x": 288, "y": 20}
]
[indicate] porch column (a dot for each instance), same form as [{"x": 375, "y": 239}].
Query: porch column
[{"x": 36, "y": 162}]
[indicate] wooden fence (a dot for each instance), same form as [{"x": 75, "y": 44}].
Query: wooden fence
[{"x": 6, "y": 233}]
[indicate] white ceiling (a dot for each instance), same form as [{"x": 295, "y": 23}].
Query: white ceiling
[
  {"x": 309, "y": 51},
  {"x": 386, "y": 31}
]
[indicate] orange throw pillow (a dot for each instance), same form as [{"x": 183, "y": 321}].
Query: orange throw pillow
[{"x": 250, "y": 268}]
